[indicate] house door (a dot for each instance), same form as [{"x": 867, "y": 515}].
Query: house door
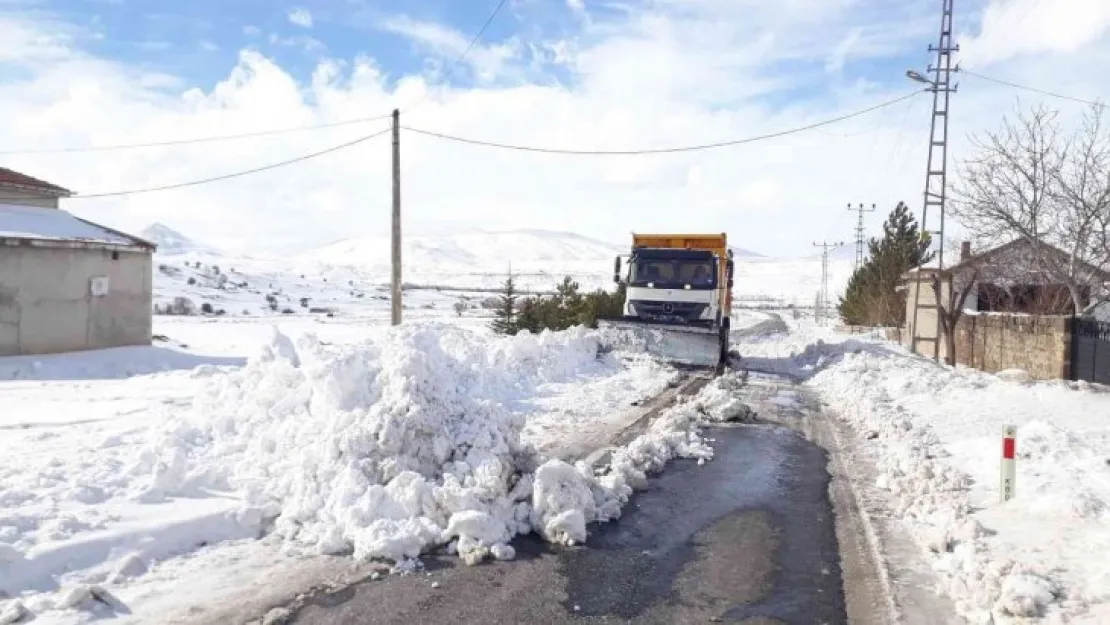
[{"x": 1090, "y": 351}]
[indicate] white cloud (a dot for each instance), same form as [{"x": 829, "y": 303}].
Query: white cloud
[
  {"x": 688, "y": 72},
  {"x": 300, "y": 17},
  {"x": 1010, "y": 28},
  {"x": 305, "y": 42},
  {"x": 488, "y": 62}
]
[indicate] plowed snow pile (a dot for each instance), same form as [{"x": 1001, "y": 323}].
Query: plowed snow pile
[
  {"x": 370, "y": 448},
  {"x": 934, "y": 435},
  {"x": 386, "y": 450}
]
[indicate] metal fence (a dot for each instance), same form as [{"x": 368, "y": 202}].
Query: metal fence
[{"x": 1090, "y": 351}]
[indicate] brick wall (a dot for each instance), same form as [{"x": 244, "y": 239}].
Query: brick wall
[{"x": 1038, "y": 345}]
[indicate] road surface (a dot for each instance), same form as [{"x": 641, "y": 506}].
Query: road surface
[{"x": 746, "y": 538}]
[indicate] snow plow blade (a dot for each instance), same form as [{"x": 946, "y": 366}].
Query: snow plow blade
[{"x": 691, "y": 346}]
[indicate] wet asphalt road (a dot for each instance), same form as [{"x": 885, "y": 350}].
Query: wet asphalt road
[{"x": 746, "y": 538}]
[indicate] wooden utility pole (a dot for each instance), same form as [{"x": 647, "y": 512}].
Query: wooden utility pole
[{"x": 395, "y": 284}]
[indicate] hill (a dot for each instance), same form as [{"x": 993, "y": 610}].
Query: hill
[{"x": 170, "y": 242}]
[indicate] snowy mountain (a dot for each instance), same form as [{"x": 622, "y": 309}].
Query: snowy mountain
[
  {"x": 171, "y": 242},
  {"x": 474, "y": 256},
  {"x": 528, "y": 251}
]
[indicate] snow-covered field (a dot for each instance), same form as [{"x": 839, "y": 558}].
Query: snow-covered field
[{"x": 934, "y": 436}]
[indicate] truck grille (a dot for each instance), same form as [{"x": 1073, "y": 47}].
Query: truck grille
[{"x": 668, "y": 311}]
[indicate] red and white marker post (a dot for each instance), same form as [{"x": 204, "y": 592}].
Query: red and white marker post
[{"x": 1009, "y": 469}]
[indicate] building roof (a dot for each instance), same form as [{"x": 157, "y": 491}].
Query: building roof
[
  {"x": 14, "y": 180},
  {"x": 52, "y": 226},
  {"x": 983, "y": 258}
]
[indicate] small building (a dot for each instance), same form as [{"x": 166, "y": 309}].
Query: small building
[
  {"x": 67, "y": 284},
  {"x": 1003, "y": 279}
]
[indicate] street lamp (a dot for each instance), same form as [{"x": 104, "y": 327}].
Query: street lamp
[{"x": 914, "y": 75}]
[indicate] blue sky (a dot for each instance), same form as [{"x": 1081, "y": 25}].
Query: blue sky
[
  {"x": 591, "y": 74},
  {"x": 197, "y": 41}
]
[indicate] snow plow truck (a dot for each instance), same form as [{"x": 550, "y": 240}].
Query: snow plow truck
[{"x": 678, "y": 299}]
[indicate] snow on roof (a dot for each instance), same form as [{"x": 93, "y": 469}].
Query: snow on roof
[{"x": 52, "y": 224}]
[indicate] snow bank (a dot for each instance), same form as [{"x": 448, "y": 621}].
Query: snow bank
[
  {"x": 934, "y": 434},
  {"x": 373, "y": 448}
]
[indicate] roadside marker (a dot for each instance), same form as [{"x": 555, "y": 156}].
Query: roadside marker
[{"x": 1009, "y": 472}]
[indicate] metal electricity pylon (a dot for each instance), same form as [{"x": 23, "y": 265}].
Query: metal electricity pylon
[
  {"x": 859, "y": 232},
  {"x": 936, "y": 171}
]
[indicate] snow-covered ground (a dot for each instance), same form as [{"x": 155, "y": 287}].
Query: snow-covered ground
[
  {"x": 934, "y": 435},
  {"x": 226, "y": 453}
]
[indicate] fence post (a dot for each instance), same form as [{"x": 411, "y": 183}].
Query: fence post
[{"x": 1009, "y": 472}]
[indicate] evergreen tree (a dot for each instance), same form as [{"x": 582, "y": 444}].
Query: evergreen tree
[
  {"x": 504, "y": 316},
  {"x": 566, "y": 305},
  {"x": 601, "y": 303},
  {"x": 872, "y": 298},
  {"x": 530, "y": 315}
]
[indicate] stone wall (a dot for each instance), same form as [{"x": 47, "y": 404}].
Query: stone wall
[{"x": 1038, "y": 345}]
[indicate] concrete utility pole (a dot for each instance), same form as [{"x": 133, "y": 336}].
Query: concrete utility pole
[
  {"x": 859, "y": 232},
  {"x": 395, "y": 284},
  {"x": 936, "y": 169},
  {"x": 823, "y": 294}
]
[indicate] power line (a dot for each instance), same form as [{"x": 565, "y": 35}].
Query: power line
[
  {"x": 462, "y": 57},
  {"x": 1033, "y": 89},
  {"x": 245, "y": 135},
  {"x": 237, "y": 174},
  {"x": 669, "y": 150}
]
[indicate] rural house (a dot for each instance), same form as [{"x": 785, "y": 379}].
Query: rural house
[
  {"x": 67, "y": 284},
  {"x": 1014, "y": 315}
]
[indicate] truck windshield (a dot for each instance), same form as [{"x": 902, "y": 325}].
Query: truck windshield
[{"x": 674, "y": 273}]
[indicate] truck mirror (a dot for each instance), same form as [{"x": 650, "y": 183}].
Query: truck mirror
[{"x": 617, "y": 269}]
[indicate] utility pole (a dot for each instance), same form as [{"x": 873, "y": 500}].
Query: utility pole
[
  {"x": 395, "y": 283},
  {"x": 823, "y": 294},
  {"x": 859, "y": 232},
  {"x": 936, "y": 169}
]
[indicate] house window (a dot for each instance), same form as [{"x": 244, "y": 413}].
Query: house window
[{"x": 115, "y": 255}]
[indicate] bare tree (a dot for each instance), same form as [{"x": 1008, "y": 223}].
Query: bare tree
[
  {"x": 1030, "y": 182},
  {"x": 951, "y": 308},
  {"x": 960, "y": 279}
]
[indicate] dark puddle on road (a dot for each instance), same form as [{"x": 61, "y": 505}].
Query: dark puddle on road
[{"x": 749, "y": 534}]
